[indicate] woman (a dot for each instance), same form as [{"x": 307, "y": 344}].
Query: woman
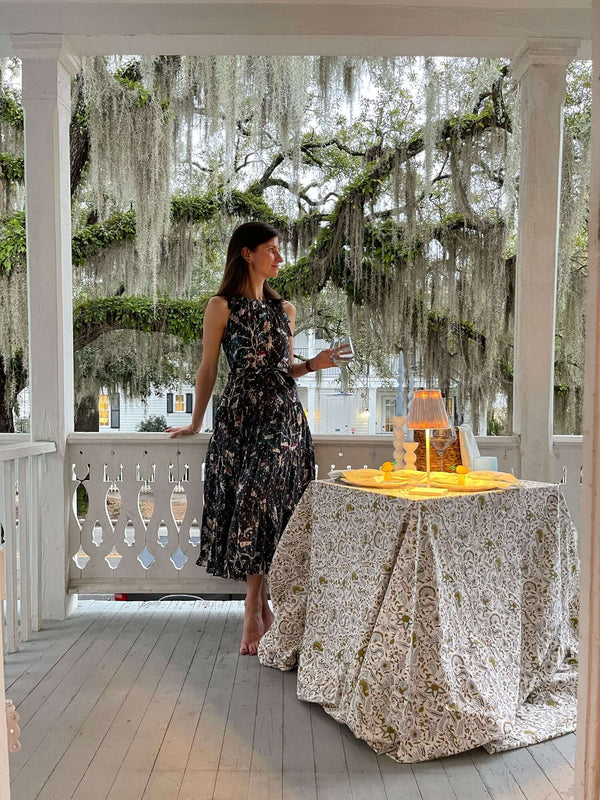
[{"x": 260, "y": 457}]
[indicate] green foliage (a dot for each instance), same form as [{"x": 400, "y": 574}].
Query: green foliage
[
  {"x": 12, "y": 243},
  {"x": 90, "y": 240},
  {"x": 494, "y": 426},
  {"x": 118, "y": 228},
  {"x": 11, "y": 110},
  {"x": 155, "y": 423},
  {"x": 195, "y": 209},
  {"x": 169, "y": 315},
  {"x": 249, "y": 204},
  {"x": 83, "y": 500},
  {"x": 578, "y": 103},
  {"x": 12, "y": 168},
  {"x": 129, "y": 78}
]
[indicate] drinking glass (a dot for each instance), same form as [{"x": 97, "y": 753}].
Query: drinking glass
[
  {"x": 441, "y": 439},
  {"x": 343, "y": 343}
]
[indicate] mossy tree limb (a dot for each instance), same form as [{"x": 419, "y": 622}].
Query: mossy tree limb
[{"x": 175, "y": 316}]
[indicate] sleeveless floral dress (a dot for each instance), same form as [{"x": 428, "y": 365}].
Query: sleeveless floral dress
[{"x": 260, "y": 457}]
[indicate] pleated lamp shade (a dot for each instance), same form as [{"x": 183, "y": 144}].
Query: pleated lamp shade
[{"x": 427, "y": 410}]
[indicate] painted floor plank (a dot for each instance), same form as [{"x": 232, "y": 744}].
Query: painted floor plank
[
  {"x": 359, "y": 756},
  {"x": 199, "y": 785},
  {"x": 135, "y": 772},
  {"x": 556, "y": 768},
  {"x": 497, "y": 777},
  {"x": 367, "y": 786},
  {"x": 566, "y": 746},
  {"x": 398, "y": 779},
  {"x": 56, "y": 651},
  {"x": 201, "y": 676},
  {"x": 333, "y": 786},
  {"x": 328, "y": 746},
  {"x": 236, "y": 753},
  {"x": 267, "y": 748},
  {"x": 299, "y": 785},
  {"x": 232, "y": 785},
  {"x": 167, "y": 775},
  {"x": 206, "y": 747},
  {"x": 529, "y": 775},
  {"x": 464, "y": 778},
  {"x": 54, "y": 636},
  {"x": 41, "y": 680},
  {"x": 66, "y": 726},
  {"x": 127, "y": 694},
  {"x": 298, "y": 761},
  {"x": 58, "y": 720},
  {"x": 432, "y": 781},
  {"x": 102, "y": 768},
  {"x": 264, "y": 784}
]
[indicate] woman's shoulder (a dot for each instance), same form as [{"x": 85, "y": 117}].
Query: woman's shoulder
[
  {"x": 289, "y": 308},
  {"x": 217, "y": 309},
  {"x": 218, "y": 302}
]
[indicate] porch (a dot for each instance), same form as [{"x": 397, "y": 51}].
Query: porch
[{"x": 151, "y": 700}]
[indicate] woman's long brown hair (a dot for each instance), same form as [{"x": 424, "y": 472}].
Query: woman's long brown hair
[{"x": 235, "y": 277}]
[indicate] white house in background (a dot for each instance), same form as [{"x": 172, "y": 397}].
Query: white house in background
[{"x": 369, "y": 409}]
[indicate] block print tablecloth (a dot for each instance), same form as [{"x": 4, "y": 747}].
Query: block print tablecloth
[{"x": 430, "y": 627}]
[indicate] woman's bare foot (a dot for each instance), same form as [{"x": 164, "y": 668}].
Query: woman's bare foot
[
  {"x": 267, "y": 616},
  {"x": 253, "y": 630}
]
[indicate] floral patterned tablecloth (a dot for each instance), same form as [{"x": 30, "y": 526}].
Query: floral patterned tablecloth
[{"x": 430, "y": 627}]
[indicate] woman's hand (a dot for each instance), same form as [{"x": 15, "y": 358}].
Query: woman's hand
[
  {"x": 327, "y": 358},
  {"x": 187, "y": 430}
]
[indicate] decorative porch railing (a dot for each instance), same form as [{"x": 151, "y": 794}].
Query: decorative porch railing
[
  {"x": 137, "y": 505},
  {"x": 20, "y": 517}
]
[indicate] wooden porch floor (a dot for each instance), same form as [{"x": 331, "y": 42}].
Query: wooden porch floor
[{"x": 151, "y": 700}]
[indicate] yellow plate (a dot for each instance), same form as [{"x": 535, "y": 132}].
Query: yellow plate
[
  {"x": 480, "y": 486},
  {"x": 369, "y": 483}
]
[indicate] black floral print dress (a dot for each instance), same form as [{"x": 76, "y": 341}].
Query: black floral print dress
[{"x": 260, "y": 457}]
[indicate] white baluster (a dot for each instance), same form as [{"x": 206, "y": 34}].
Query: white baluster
[
  {"x": 36, "y": 544},
  {"x": 24, "y": 549},
  {"x": 10, "y": 533}
]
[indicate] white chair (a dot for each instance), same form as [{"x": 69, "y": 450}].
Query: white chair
[{"x": 469, "y": 451}]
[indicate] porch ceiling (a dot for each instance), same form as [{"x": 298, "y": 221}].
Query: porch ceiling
[{"x": 353, "y": 27}]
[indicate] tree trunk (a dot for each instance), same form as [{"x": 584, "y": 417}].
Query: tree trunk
[
  {"x": 17, "y": 375},
  {"x": 6, "y": 417},
  {"x": 87, "y": 416}
]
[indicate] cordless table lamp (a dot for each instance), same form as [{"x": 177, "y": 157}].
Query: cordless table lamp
[{"x": 427, "y": 412}]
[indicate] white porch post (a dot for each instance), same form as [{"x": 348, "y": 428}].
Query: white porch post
[
  {"x": 540, "y": 68},
  {"x": 587, "y": 766},
  {"x": 47, "y": 70}
]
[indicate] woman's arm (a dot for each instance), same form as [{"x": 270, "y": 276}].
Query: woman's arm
[
  {"x": 216, "y": 315},
  {"x": 322, "y": 360}
]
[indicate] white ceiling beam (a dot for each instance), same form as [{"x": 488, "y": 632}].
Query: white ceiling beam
[{"x": 281, "y": 27}]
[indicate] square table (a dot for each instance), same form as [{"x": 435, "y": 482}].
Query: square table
[{"x": 430, "y": 627}]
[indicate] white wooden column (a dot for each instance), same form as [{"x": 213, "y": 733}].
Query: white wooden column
[
  {"x": 47, "y": 70},
  {"x": 540, "y": 68},
  {"x": 587, "y": 766}
]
